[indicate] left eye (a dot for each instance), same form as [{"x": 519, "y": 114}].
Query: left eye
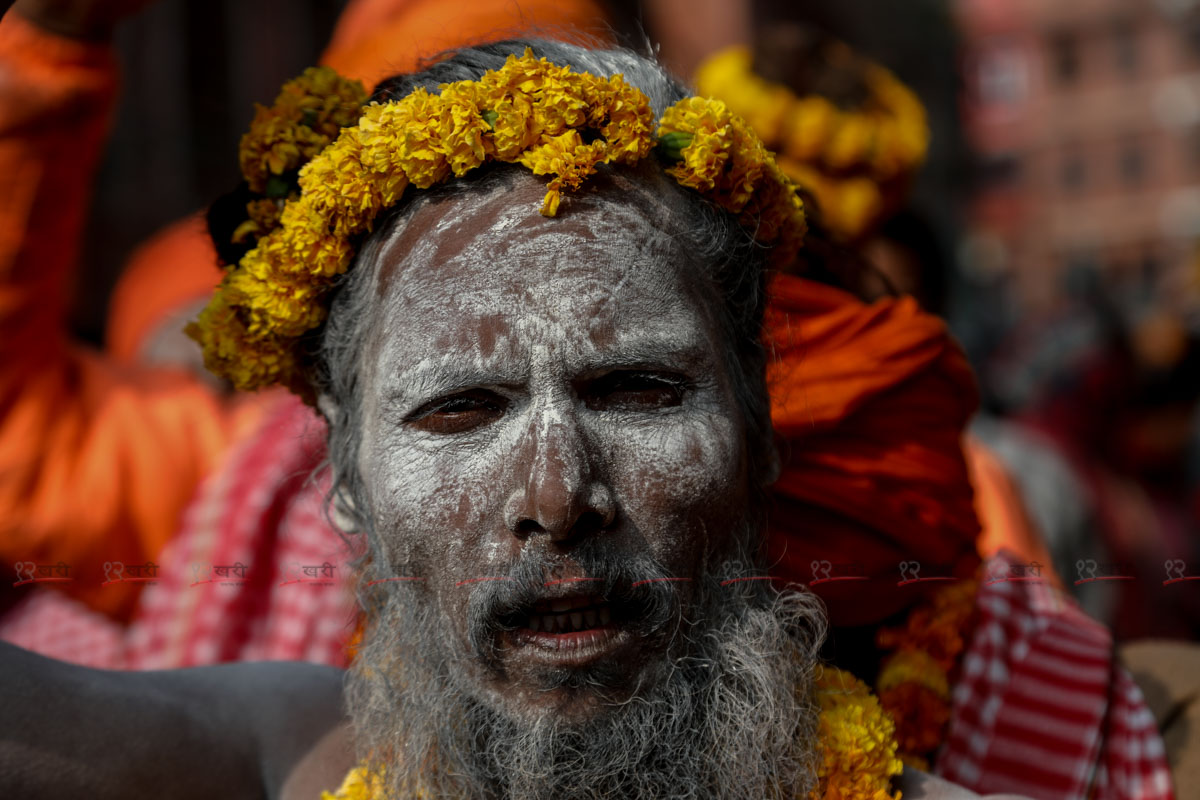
[
  {"x": 635, "y": 390},
  {"x": 458, "y": 413}
]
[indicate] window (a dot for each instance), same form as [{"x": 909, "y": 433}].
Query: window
[
  {"x": 999, "y": 171},
  {"x": 1132, "y": 163},
  {"x": 1191, "y": 35},
  {"x": 1125, "y": 47},
  {"x": 1064, "y": 56},
  {"x": 1074, "y": 172},
  {"x": 1001, "y": 76}
]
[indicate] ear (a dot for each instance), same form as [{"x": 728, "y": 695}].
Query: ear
[
  {"x": 328, "y": 407},
  {"x": 343, "y": 510}
]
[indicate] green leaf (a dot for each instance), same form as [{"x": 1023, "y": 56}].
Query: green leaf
[
  {"x": 670, "y": 146},
  {"x": 277, "y": 187},
  {"x": 490, "y": 118}
]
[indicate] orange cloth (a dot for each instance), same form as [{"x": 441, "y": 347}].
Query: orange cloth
[
  {"x": 378, "y": 38},
  {"x": 869, "y": 404},
  {"x": 96, "y": 461},
  {"x": 1006, "y": 523},
  {"x": 170, "y": 272}
]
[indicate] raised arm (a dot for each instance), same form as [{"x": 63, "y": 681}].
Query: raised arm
[{"x": 96, "y": 461}]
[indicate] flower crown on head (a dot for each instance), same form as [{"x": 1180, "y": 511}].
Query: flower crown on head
[{"x": 554, "y": 121}]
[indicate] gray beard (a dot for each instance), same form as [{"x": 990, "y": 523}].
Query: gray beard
[{"x": 726, "y": 714}]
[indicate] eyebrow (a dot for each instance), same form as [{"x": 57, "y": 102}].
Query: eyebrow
[
  {"x": 427, "y": 380},
  {"x": 649, "y": 353}
]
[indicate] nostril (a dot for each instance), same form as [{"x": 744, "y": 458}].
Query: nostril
[
  {"x": 528, "y": 527},
  {"x": 589, "y": 522}
]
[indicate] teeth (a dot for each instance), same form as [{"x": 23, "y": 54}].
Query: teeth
[{"x": 570, "y": 620}]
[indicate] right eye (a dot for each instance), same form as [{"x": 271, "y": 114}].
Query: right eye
[{"x": 458, "y": 413}]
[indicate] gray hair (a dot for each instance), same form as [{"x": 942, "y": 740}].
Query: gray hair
[{"x": 733, "y": 261}]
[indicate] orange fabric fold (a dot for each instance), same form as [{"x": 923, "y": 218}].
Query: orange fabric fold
[{"x": 869, "y": 403}]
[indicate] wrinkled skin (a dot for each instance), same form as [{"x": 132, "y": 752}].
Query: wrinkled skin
[{"x": 536, "y": 384}]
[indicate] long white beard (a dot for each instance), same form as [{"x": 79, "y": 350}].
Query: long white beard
[{"x": 726, "y": 716}]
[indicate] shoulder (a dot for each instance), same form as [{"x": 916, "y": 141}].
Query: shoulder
[
  {"x": 287, "y": 710},
  {"x": 322, "y": 768}
]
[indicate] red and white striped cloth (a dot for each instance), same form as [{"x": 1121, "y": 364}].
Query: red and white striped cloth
[
  {"x": 263, "y": 510},
  {"x": 1042, "y": 709}
]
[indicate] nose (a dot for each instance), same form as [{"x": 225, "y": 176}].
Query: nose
[{"x": 559, "y": 490}]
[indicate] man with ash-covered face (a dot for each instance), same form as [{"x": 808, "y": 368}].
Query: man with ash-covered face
[
  {"x": 553, "y": 437},
  {"x": 559, "y": 426}
]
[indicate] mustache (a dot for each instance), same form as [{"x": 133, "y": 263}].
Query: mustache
[{"x": 639, "y": 592}]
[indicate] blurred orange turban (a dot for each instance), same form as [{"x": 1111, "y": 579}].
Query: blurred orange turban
[{"x": 869, "y": 403}]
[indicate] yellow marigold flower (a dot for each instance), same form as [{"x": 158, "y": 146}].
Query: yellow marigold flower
[
  {"x": 274, "y": 302},
  {"x": 852, "y": 143},
  {"x": 729, "y": 74},
  {"x": 351, "y": 183},
  {"x": 806, "y": 127},
  {"x": 724, "y": 158},
  {"x": 263, "y": 218},
  {"x": 913, "y": 666},
  {"x": 302, "y": 246},
  {"x": 568, "y": 158},
  {"x": 622, "y": 115},
  {"x": 884, "y": 141},
  {"x": 403, "y": 136},
  {"x": 308, "y": 112},
  {"x": 358, "y": 785},
  {"x": 248, "y": 362},
  {"x": 513, "y": 131},
  {"x": 857, "y": 741},
  {"x": 461, "y": 128}
]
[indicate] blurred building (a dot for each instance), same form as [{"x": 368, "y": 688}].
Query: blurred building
[{"x": 1085, "y": 117}]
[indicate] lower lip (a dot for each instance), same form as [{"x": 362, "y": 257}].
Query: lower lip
[{"x": 567, "y": 649}]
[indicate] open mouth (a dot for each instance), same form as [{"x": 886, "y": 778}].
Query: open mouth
[
  {"x": 568, "y": 615},
  {"x": 571, "y": 629}
]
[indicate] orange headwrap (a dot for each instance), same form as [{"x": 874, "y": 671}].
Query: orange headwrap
[{"x": 869, "y": 404}]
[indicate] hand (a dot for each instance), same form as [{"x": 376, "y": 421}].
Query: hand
[{"x": 92, "y": 20}]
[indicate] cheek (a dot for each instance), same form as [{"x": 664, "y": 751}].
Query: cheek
[
  {"x": 432, "y": 503},
  {"x": 680, "y": 484}
]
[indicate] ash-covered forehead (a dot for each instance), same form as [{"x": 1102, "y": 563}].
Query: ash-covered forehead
[{"x": 481, "y": 270}]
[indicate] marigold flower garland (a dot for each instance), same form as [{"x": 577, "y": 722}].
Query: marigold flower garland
[
  {"x": 306, "y": 116},
  {"x": 552, "y": 120},
  {"x": 846, "y": 158},
  {"x": 914, "y": 682},
  {"x": 858, "y": 747}
]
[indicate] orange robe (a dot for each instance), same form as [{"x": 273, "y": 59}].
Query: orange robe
[{"x": 96, "y": 461}]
